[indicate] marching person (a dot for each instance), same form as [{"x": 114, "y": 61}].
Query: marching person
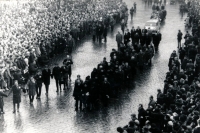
[
  {"x": 131, "y": 12},
  {"x": 1, "y": 101},
  {"x": 46, "y": 74},
  {"x": 179, "y": 38},
  {"x": 57, "y": 75},
  {"x": 77, "y": 93},
  {"x": 119, "y": 39},
  {"x": 64, "y": 74},
  {"x": 16, "y": 89},
  {"x": 38, "y": 79},
  {"x": 31, "y": 85},
  {"x": 68, "y": 62}
]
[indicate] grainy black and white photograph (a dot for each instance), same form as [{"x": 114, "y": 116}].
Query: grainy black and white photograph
[{"x": 99, "y": 66}]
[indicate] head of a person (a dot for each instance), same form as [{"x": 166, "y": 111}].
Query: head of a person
[
  {"x": 120, "y": 130},
  {"x": 151, "y": 97},
  {"x": 16, "y": 82},
  {"x": 78, "y": 76},
  {"x": 31, "y": 78}
]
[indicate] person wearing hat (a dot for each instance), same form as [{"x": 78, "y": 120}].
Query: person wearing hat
[{"x": 46, "y": 75}]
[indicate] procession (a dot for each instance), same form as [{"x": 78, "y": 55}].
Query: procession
[{"x": 77, "y": 60}]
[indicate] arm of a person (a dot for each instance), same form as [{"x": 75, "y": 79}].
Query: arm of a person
[
  {"x": 10, "y": 91},
  {"x": 3, "y": 94}
]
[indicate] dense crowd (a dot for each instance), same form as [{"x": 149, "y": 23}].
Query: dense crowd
[
  {"x": 40, "y": 30},
  {"x": 176, "y": 109},
  {"x": 33, "y": 32}
]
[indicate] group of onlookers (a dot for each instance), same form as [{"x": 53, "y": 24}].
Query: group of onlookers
[{"x": 176, "y": 108}]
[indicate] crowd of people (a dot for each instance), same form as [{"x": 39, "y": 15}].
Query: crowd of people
[
  {"x": 177, "y": 107},
  {"x": 42, "y": 30},
  {"x": 32, "y": 32},
  {"x": 135, "y": 51}
]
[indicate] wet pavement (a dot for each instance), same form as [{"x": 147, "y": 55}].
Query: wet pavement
[{"x": 55, "y": 113}]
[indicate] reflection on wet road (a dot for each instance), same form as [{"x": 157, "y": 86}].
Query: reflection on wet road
[{"x": 56, "y": 112}]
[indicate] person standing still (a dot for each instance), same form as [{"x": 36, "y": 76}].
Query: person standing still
[{"x": 179, "y": 37}]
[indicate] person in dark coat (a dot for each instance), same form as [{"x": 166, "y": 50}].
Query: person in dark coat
[
  {"x": 32, "y": 57},
  {"x": 119, "y": 38},
  {"x": 133, "y": 34},
  {"x": 16, "y": 89},
  {"x": 38, "y": 78},
  {"x": 156, "y": 41},
  {"x": 105, "y": 91},
  {"x": 77, "y": 93},
  {"x": 31, "y": 85},
  {"x": 105, "y": 30},
  {"x": 136, "y": 38},
  {"x": 1, "y": 101},
  {"x": 127, "y": 36},
  {"x": 179, "y": 38},
  {"x": 64, "y": 75},
  {"x": 33, "y": 68},
  {"x": 57, "y": 75},
  {"x": 70, "y": 44},
  {"x": 46, "y": 75},
  {"x": 18, "y": 76},
  {"x": 68, "y": 62}
]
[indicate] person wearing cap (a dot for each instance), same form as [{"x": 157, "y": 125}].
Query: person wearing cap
[{"x": 46, "y": 75}]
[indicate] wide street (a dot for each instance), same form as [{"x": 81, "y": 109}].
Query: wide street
[{"x": 56, "y": 113}]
